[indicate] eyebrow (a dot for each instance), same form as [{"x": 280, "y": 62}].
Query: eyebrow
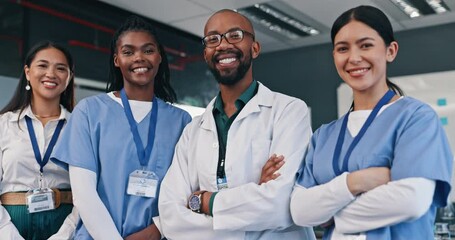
[
  {"x": 357, "y": 41},
  {"x": 132, "y": 46},
  {"x": 45, "y": 61},
  {"x": 230, "y": 30}
]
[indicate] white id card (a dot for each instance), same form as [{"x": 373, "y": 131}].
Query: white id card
[
  {"x": 221, "y": 183},
  {"x": 142, "y": 183},
  {"x": 39, "y": 200}
]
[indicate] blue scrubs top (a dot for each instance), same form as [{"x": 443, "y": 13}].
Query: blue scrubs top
[
  {"x": 408, "y": 138},
  {"x": 98, "y": 138}
]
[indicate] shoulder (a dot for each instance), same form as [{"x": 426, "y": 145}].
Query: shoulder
[
  {"x": 5, "y": 120},
  {"x": 173, "y": 111},
  {"x": 5, "y": 117},
  {"x": 92, "y": 102},
  {"x": 409, "y": 106},
  {"x": 279, "y": 100},
  {"x": 328, "y": 128}
]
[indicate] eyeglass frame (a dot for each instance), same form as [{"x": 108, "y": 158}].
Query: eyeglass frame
[{"x": 220, "y": 37}]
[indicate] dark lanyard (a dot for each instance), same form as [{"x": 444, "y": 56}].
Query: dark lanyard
[
  {"x": 220, "y": 173},
  {"x": 142, "y": 154},
  {"x": 31, "y": 132},
  {"x": 336, "y": 155}
]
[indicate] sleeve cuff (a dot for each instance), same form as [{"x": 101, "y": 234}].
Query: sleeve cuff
[
  {"x": 340, "y": 187},
  {"x": 212, "y": 198}
]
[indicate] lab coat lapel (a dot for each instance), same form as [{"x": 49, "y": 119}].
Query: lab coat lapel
[
  {"x": 263, "y": 98},
  {"x": 207, "y": 121}
]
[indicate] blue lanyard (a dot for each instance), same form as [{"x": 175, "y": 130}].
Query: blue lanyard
[
  {"x": 31, "y": 132},
  {"x": 336, "y": 155},
  {"x": 142, "y": 154}
]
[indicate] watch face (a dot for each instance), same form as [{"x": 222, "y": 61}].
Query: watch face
[{"x": 194, "y": 203}]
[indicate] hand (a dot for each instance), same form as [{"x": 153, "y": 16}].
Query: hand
[
  {"x": 269, "y": 169},
  {"x": 366, "y": 179},
  {"x": 149, "y": 233}
]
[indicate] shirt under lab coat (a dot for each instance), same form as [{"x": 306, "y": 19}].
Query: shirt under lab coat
[{"x": 269, "y": 123}]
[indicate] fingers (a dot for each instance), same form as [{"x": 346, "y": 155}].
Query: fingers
[{"x": 273, "y": 164}]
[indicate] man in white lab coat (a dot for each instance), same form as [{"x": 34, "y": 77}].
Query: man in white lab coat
[{"x": 214, "y": 188}]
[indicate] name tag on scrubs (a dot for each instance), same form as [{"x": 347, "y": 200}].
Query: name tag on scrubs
[
  {"x": 142, "y": 183},
  {"x": 39, "y": 200}
]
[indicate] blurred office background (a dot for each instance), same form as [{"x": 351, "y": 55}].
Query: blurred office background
[{"x": 296, "y": 56}]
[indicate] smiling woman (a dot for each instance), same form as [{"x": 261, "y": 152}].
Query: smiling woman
[
  {"x": 125, "y": 139},
  {"x": 383, "y": 168},
  {"x": 31, "y": 186}
]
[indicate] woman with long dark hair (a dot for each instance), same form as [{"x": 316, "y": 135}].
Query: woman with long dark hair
[
  {"x": 36, "y": 200},
  {"x": 382, "y": 169}
]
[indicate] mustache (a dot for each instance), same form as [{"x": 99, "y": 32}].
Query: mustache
[{"x": 237, "y": 54}]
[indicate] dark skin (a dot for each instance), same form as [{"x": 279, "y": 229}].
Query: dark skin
[
  {"x": 220, "y": 23},
  {"x": 268, "y": 173},
  {"x": 138, "y": 50}
]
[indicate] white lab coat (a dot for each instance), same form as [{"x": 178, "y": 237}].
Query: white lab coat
[{"x": 269, "y": 123}]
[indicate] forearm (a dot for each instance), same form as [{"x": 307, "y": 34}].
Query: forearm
[
  {"x": 317, "y": 205},
  {"x": 388, "y": 204},
  {"x": 176, "y": 221},
  {"x": 87, "y": 201}
]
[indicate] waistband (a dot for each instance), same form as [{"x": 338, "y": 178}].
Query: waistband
[{"x": 19, "y": 198}]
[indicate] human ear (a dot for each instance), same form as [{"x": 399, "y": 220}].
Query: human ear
[
  {"x": 392, "y": 51},
  {"x": 256, "y": 49},
  {"x": 116, "y": 60},
  {"x": 27, "y": 72}
]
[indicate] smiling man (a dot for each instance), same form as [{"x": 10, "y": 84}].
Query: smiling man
[{"x": 214, "y": 188}]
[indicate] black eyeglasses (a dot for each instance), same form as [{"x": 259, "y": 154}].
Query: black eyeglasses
[{"x": 235, "y": 36}]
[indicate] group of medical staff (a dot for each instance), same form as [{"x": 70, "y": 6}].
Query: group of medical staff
[{"x": 128, "y": 164}]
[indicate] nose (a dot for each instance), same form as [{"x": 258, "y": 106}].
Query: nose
[
  {"x": 50, "y": 72},
  {"x": 138, "y": 57},
  {"x": 355, "y": 56}
]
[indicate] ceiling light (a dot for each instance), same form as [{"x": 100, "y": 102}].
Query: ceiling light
[
  {"x": 438, "y": 6},
  {"x": 407, "y": 8},
  {"x": 278, "y": 21},
  {"x": 417, "y": 8}
]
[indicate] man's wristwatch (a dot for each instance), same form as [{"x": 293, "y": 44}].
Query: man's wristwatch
[{"x": 195, "y": 202}]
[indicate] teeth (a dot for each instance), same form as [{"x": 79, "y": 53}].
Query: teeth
[
  {"x": 49, "y": 84},
  {"x": 227, "y": 60},
  {"x": 139, "y": 70},
  {"x": 359, "y": 71}
]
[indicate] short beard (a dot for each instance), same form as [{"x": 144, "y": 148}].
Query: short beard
[{"x": 235, "y": 75}]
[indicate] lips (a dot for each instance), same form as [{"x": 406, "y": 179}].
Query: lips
[
  {"x": 49, "y": 84},
  {"x": 226, "y": 58},
  {"x": 140, "y": 69},
  {"x": 358, "y": 71}
]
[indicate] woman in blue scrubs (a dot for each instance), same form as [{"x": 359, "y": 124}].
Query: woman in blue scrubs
[
  {"x": 119, "y": 145},
  {"x": 382, "y": 169}
]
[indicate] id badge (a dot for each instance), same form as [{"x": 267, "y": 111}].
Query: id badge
[
  {"x": 39, "y": 200},
  {"x": 142, "y": 183},
  {"x": 221, "y": 183}
]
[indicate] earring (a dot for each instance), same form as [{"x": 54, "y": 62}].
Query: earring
[{"x": 27, "y": 87}]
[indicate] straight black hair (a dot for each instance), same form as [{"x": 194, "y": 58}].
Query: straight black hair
[
  {"x": 22, "y": 97},
  {"x": 374, "y": 18},
  {"x": 163, "y": 88}
]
